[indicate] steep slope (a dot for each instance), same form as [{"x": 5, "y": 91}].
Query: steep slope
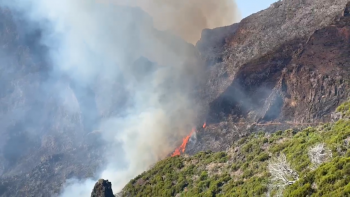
[
  {"x": 296, "y": 84},
  {"x": 316, "y": 160},
  {"x": 283, "y": 83},
  {"x": 284, "y": 67},
  {"x": 49, "y": 119},
  {"x": 229, "y": 48}
]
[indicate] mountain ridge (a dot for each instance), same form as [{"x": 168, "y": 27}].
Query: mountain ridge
[
  {"x": 308, "y": 73},
  {"x": 296, "y": 84},
  {"x": 281, "y": 68}
]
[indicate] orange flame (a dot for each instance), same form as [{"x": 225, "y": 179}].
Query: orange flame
[
  {"x": 204, "y": 125},
  {"x": 182, "y": 148}
]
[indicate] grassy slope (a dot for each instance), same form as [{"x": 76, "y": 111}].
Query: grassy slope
[{"x": 242, "y": 170}]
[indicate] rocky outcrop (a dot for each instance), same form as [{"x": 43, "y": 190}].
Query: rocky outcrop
[
  {"x": 227, "y": 49},
  {"x": 300, "y": 81},
  {"x": 287, "y": 66},
  {"x": 103, "y": 188},
  {"x": 297, "y": 81}
]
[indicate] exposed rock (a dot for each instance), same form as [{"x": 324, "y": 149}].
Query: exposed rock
[
  {"x": 259, "y": 34},
  {"x": 294, "y": 85},
  {"x": 347, "y": 10},
  {"x": 287, "y": 66},
  {"x": 103, "y": 188},
  {"x": 301, "y": 81}
]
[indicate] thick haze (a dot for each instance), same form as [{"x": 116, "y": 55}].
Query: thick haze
[
  {"x": 115, "y": 53},
  {"x": 187, "y": 18}
]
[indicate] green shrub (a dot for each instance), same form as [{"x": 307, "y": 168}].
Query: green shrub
[
  {"x": 243, "y": 172},
  {"x": 265, "y": 140},
  {"x": 278, "y": 133},
  {"x": 263, "y": 157},
  {"x": 234, "y": 167},
  {"x": 204, "y": 176}
]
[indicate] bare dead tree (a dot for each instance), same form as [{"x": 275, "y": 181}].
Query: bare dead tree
[
  {"x": 281, "y": 173},
  {"x": 319, "y": 154}
]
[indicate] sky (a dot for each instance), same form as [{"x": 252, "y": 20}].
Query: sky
[{"x": 248, "y": 7}]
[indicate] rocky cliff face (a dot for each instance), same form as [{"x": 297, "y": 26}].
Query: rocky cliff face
[
  {"x": 295, "y": 81},
  {"x": 229, "y": 48},
  {"x": 300, "y": 81},
  {"x": 287, "y": 66}
]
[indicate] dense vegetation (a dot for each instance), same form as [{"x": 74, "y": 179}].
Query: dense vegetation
[{"x": 243, "y": 170}]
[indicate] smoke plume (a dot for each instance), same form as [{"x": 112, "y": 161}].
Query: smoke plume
[
  {"x": 186, "y": 18},
  {"x": 134, "y": 83}
]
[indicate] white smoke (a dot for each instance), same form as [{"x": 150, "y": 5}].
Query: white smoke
[
  {"x": 96, "y": 45},
  {"x": 187, "y": 18},
  {"x": 75, "y": 187}
]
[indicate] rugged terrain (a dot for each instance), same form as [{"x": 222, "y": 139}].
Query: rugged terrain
[
  {"x": 297, "y": 83},
  {"x": 48, "y": 120},
  {"x": 290, "y": 71},
  {"x": 309, "y": 162},
  {"x": 284, "y": 67}
]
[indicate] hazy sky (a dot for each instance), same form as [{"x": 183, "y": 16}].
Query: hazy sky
[{"x": 248, "y": 7}]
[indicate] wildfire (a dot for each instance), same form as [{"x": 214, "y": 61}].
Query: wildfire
[{"x": 182, "y": 148}]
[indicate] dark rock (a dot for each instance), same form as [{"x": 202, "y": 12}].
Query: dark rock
[
  {"x": 347, "y": 10},
  {"x": 103, "y": 188},
  {"x": 287, "y": 65},
  {"x": 295, "y": 81},
  {"x": 259, "y": 34}
]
